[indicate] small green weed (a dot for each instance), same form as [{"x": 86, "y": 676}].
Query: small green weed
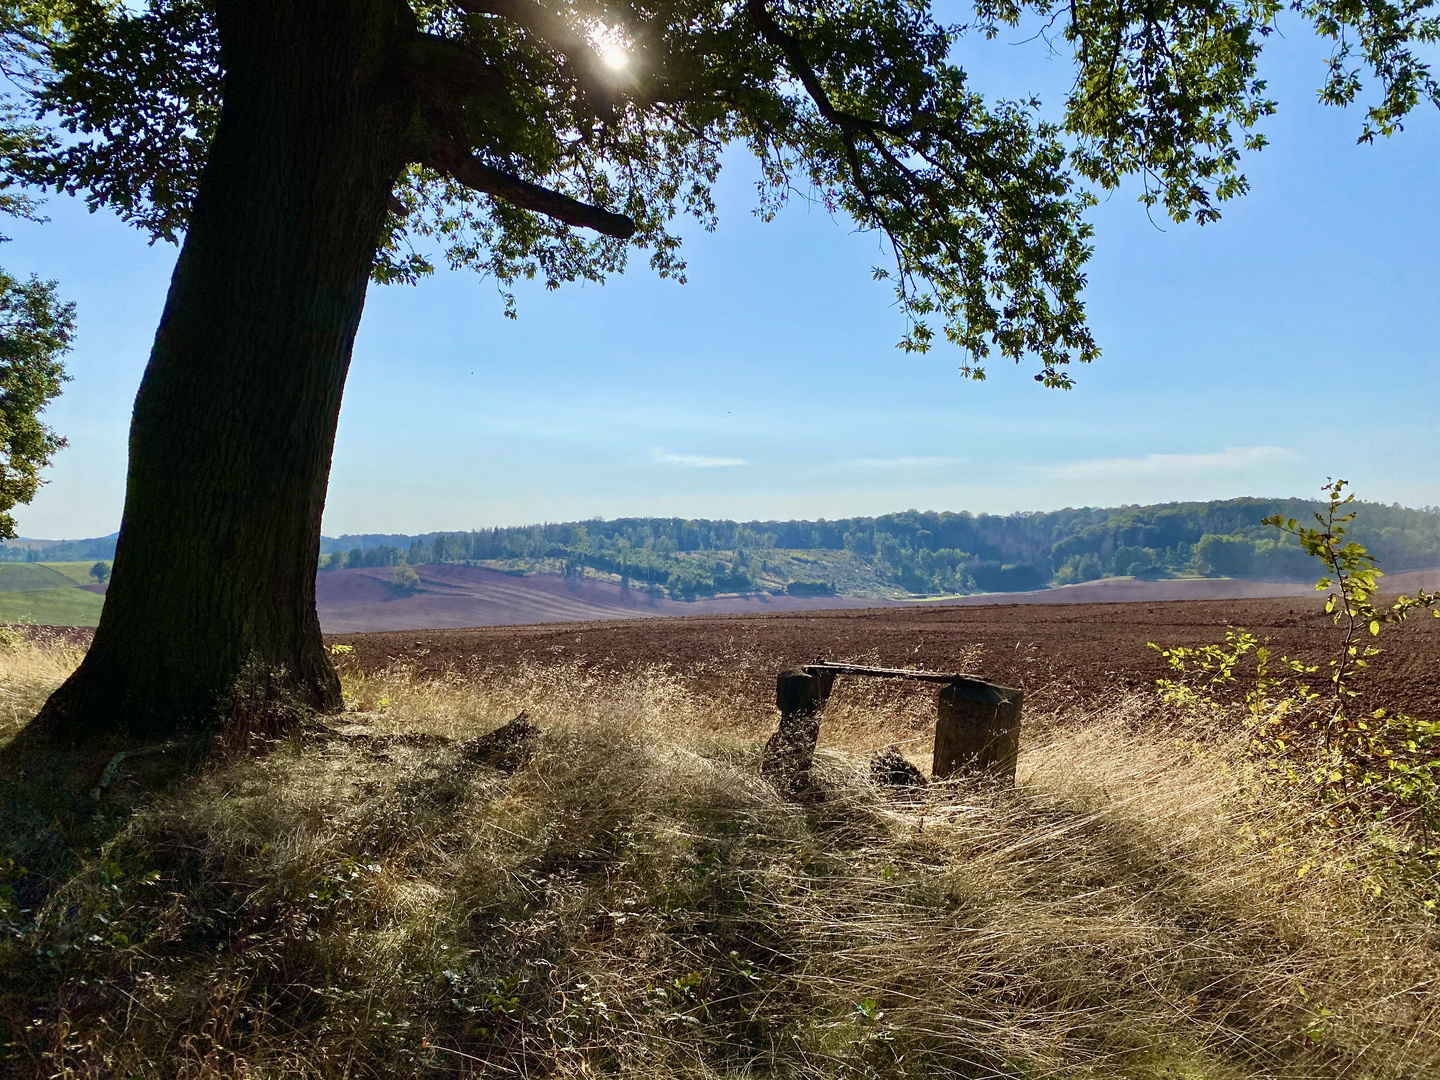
[{"x": 1359, "y": 770}]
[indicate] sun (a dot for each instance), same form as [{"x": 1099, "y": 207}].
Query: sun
[{"x": 615, "y": 57}]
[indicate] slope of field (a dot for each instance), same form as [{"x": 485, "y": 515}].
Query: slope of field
[
  {"x": 70, "y": 605},
  {"x": 30, "y": 577},
  {"x": 1120, "y": 590},
  {"x": 453, "y": 595},
  {"x": 1060, "y": 653},
  {"x": 78, "y": 572}
]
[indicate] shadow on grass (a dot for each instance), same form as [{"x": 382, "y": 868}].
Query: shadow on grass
[{"x": 53, "y": 812}]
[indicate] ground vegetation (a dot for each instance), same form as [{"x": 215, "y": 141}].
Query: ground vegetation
[{"x": 386, "y": 894}]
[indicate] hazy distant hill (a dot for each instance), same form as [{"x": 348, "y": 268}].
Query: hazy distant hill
[
  {"x": 912, "y": 553},
  {"x": 25, "y": 549}
]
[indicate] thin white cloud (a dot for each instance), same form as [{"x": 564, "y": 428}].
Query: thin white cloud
[
  {"x": 1231, "y": 459},
  {"x": 903, "y": 463},
  {"x": 660, "y": 456}
]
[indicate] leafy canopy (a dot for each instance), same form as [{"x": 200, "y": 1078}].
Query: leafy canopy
[
  {"x": 551, "y": 137},
  {"x": 36, "y": 327},
  {"x": 35, "y": 332}
]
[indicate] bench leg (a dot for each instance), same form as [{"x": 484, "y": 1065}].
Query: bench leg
[
  {"x": 790, "y": 753},
  {"x": 978, "y": 730}
]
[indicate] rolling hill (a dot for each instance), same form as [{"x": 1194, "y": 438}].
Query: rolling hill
[
  {"x": 651, "y": 567},
  {"x": 914, "y": 553},
  {"x": 49, "y": 595},
  {"x": 453, "y": 596}
]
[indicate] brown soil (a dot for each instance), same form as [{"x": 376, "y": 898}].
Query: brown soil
[
  {"x": 1061, "y": 653},
  {"x": 456, "y": 596}
]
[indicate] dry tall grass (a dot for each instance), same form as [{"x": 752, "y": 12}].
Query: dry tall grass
[
  {"x": 636, "y": 901},
  {"x": 33, "y": 662}
]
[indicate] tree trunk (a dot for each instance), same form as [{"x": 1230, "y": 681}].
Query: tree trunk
[{"x": 234, "y": 423}]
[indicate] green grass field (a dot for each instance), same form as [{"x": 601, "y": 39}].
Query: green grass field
[
  {"x": 48, "y": 594},
  {"x": 29, "y": 577},
  {"x": 78, "y": 572},
  {"x": 68, "y": 605}
]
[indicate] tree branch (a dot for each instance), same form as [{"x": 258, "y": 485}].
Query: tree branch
[
  {"x": 800, "y": 67},
  {"x": 475, "y": 174},
  {"x": 449, "y": 62}
]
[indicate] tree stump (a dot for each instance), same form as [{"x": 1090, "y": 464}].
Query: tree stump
[
  {"x": 790, "y": 752},
  {"x": 977, "y": 729}
]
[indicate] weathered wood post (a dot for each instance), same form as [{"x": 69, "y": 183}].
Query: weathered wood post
[
  {"x": 978, "y": 728},
  {"x": 790, "y": 752}
]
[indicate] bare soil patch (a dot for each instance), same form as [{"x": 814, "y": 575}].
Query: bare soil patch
[{"x": 452, "y": 595}]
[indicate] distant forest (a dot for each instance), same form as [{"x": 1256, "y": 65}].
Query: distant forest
[
  {"x": 100, "y": 547},
  {"x": 914, "y": 552}
]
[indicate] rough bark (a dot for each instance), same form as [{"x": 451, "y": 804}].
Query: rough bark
[{"x": 234, "y": 424}]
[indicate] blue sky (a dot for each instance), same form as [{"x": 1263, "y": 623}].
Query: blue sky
[{"x": 1294, "y": 340}]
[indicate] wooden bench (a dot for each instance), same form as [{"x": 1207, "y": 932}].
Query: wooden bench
[{"x": 977, "y": 726}]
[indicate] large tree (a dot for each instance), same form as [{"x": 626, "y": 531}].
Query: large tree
[{"x": 302, "y": 148}]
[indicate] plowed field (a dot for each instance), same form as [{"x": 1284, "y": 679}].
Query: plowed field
[
  {"x": 451, "y": 595},
  {"x": 454, "y": 596},
  {"x": 1061, "y": 653}
]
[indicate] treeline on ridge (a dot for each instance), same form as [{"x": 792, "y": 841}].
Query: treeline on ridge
[
  {"x": 100, "y": 547},
  {"x": 924, "y": 553}
]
